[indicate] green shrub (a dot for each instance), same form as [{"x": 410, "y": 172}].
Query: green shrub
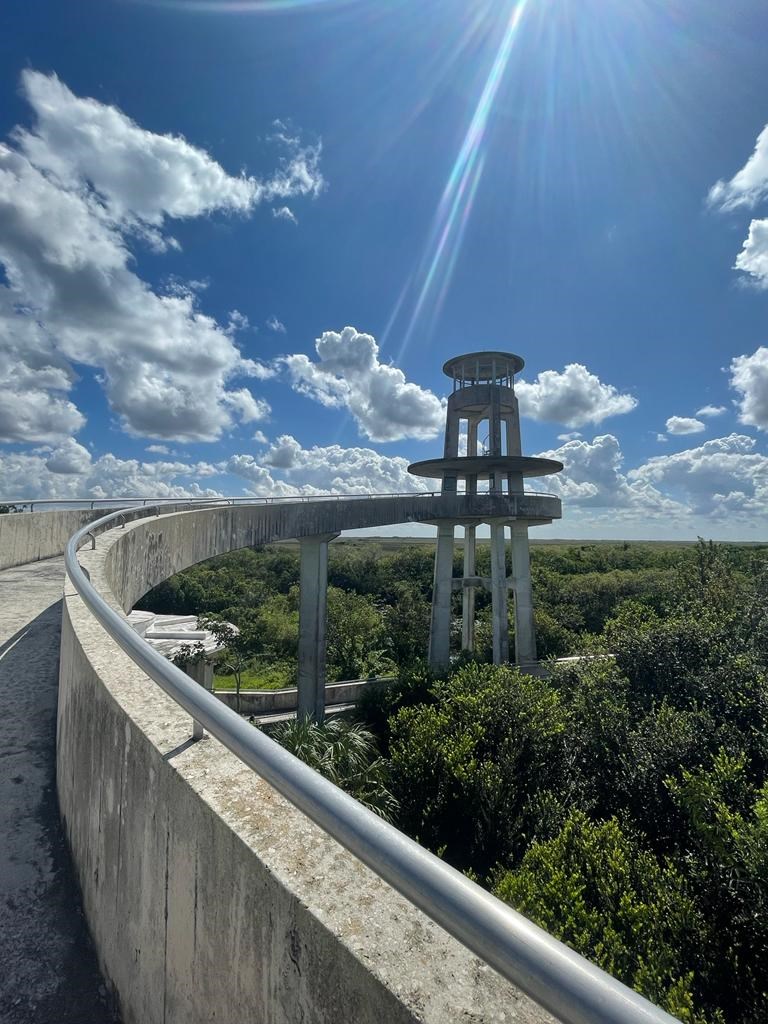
[
  {"x": 465, "y": 769},
  {"x": 595, "y": 888}
]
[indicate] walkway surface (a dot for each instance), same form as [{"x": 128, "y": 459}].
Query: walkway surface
[{"x": 48, "y": 969}]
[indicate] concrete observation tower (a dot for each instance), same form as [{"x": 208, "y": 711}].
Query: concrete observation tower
[{"x": 484, "y": 402}]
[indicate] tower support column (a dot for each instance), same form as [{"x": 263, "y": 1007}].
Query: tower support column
[
  {"x": 499, "y": 594},
  {"x": 468, "y": 593},
  {"x": 440, "y": 630},
  {"x": 525, "y": 631},
  {"x": 313, "y": 609}
]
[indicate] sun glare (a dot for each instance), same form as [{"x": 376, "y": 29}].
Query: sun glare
[{"x": 433, "y": 275}]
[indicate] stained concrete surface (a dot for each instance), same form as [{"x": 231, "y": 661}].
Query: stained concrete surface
[{"x": 48, "y": 968}]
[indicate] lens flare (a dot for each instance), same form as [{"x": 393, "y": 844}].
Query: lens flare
[{"x": 434, "y": 274}]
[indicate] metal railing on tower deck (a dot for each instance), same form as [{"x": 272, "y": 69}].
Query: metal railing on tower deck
[{"x": 558, "y": 979}]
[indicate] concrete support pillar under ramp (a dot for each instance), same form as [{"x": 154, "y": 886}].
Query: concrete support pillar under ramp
[
  {"x": 468, "y": 592},
  {"x": 313, "y": 607},
  {"x": 440, "y": 632},
  {"x": 499, "y": 594},
  {"x": 525, "y": 632}
]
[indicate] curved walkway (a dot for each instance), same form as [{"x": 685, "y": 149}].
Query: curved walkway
[{"x": 49, "y": 972}]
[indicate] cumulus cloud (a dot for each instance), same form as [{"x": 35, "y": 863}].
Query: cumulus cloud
[
  {"x": 275, "y": 325},
  {"x": 341, "y": 470},
  {"x": 287, "y": 468},
  {"x": 75, "y": 190},
  {"x": 246, "y": 406},
  {"x": 284, "y": 213},
  {"x": 349, "y": 375},
  {"x": 158, "y": 449},
  {"x": 753, "y": 258},
  {"x": 593, "y": 477},
  {"x": 260, "y": 437},
  {"x": 69, "y": 471},
  {"x": 69, "y": 458},
  {"x": 749, "y": 377},
  {"x": 711, "y": 410},
  {"x": 34, "y": 380},
  {"x": 745, "y": 190},
  {"x": 574, "y": 397},
  {"x": 724, "y": 476},
  {"x": 748, "y": 185},
  {"x": 684, "y": 425},
  {"x": 571, "y": 435},
  {"x": 260, "y": 482},
  {"x": 141, "y": 175}
]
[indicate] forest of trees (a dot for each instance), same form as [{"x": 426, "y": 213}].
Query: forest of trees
[{"x": 621, "y": 801}]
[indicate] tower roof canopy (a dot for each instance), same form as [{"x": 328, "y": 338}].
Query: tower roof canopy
[{"x": 483, "y": 366}]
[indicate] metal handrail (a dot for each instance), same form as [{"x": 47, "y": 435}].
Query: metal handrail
[
  {"x": 556, "y": 977},
  {"x": 95, "y": 503}
]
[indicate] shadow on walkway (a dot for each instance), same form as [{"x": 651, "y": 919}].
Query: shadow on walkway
[{"x": 48, "y": 968}]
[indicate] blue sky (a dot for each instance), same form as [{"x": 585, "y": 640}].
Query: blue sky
[{"x": 198, "y": 200}]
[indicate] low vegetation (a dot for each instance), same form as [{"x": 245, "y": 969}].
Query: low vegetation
[{"x": 621, "y": 802}]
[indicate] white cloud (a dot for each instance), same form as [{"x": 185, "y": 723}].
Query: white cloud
[
  {"x": 79, "y": 186},
  {"x": 69, "y": 458},
  {"x": 724, "y": 476},
  {"x": 662, "y": 438},
  {"x": 276, "y": 325},
  {"x": 348, "y": 375},
  {"x": 260, "y": 481},
  {"x": 753, "y": 258},
  {"x": 593, "y": 477},
  {"x": 246, "y": 406},
  {"x": 237, "y": 322},
  {"x": 341, "y": 470},
  {"x": 158, "y": 449},
  {"x": 260, "y": 437},
  {"x": 574, "y": 397},
  {"x": 684, "y": 425},
  {"x": 284, "y": 213},
  {"x": 749, "y": 185},
  {"x": 141, "y": 175},
  {"x": 34, "y": 380},
  {"x": 745, "y": 189},
  {"x": 711, "y": 410},
  {"x": 70, "y": 472},
  {"x": 749, "y": 376},
  {"x": 571, "y": 435}
]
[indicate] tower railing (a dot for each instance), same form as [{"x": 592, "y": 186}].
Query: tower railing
[{"x": 558, "y": 979}]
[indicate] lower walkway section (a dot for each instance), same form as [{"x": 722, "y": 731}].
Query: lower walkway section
[{"x": 49, "y": 973}]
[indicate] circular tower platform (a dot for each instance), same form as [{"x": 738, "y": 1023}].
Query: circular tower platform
[{"x": 483, "y": 466}]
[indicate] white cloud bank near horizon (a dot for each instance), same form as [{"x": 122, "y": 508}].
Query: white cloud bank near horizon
[
  {"x": 721, "y": 484},
  {"x": 77, "y": 190}
]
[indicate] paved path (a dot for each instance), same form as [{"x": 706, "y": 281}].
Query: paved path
[{"x": 48, "y": 970}]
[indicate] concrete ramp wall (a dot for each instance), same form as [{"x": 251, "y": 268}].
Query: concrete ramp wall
[
  {"x": 209, "y": 897},
  {"x": 31, "y": 536}
]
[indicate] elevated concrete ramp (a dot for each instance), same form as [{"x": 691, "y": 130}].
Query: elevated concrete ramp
[{"x": 49, "y": 973}]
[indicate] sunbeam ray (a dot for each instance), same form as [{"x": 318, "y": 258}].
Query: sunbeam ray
[{"x": 450, "y": 221}]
